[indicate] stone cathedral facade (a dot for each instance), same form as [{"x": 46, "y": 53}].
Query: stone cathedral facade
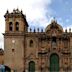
[{"x": 45, "y": 51}]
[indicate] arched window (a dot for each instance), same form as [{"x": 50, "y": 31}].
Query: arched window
[
  {"x": 54, "y": 63},
  {"x": 10, "y": 26},
  {"x": 17, "y": 26},
  {"x": 31, "y": 43},
  {"x": 54, "y": 41},
  {"x": 31, "y": 67}
]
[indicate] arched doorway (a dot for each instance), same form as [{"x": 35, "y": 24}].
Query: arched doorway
[
  {"x": 54, "y": 63},
  {"x": 31, "y": 66},
  {"x": 4, "y": 68},
  {"x": 7, "y": 69}
]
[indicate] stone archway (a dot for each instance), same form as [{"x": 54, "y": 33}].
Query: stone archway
[
  {"x": 54, "y": 63},
  {"x": 4, "y": 68},
  {"x": 31, "y": 66},
  {"x": 7, "y": 69}
]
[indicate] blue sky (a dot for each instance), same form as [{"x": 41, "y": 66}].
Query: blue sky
[
  {"x": 60, "y": 9},
  {"x": 39, "y": 13},
  {"x": 63, "y": 11}
]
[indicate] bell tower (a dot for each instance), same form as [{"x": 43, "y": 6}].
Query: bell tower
[
  {"x": 14, "y": 40},
  {"x": 15, "y": 22}
]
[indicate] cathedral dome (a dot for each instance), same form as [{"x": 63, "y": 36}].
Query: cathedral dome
[{"x": 54, "y": 25}]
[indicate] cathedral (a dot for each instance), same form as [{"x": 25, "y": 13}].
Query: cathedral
[{"x": 36, "y": 51}]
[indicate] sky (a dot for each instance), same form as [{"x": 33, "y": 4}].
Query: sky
[{"x": 39, "y": 13}]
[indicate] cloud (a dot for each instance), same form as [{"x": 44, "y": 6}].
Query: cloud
[{"x": 37, "y": 12}]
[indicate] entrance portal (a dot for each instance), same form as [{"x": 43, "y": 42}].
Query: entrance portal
[
  {"x": 31, "y": 66},
  {"x": 54, "y": 63}
]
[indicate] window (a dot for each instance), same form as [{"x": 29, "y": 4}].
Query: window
[
  {"x": 66, "y": 43},
  {"x": 13, "y": 50},
  {"x": 10, "y": 26},
  {"x": 54, "y": 43},
  {"x": 17, "y": 26},
  {"x": 31, "y": 43},
  {"x": 54, "y": 39},
  {"x": 31, "y": 67}
]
